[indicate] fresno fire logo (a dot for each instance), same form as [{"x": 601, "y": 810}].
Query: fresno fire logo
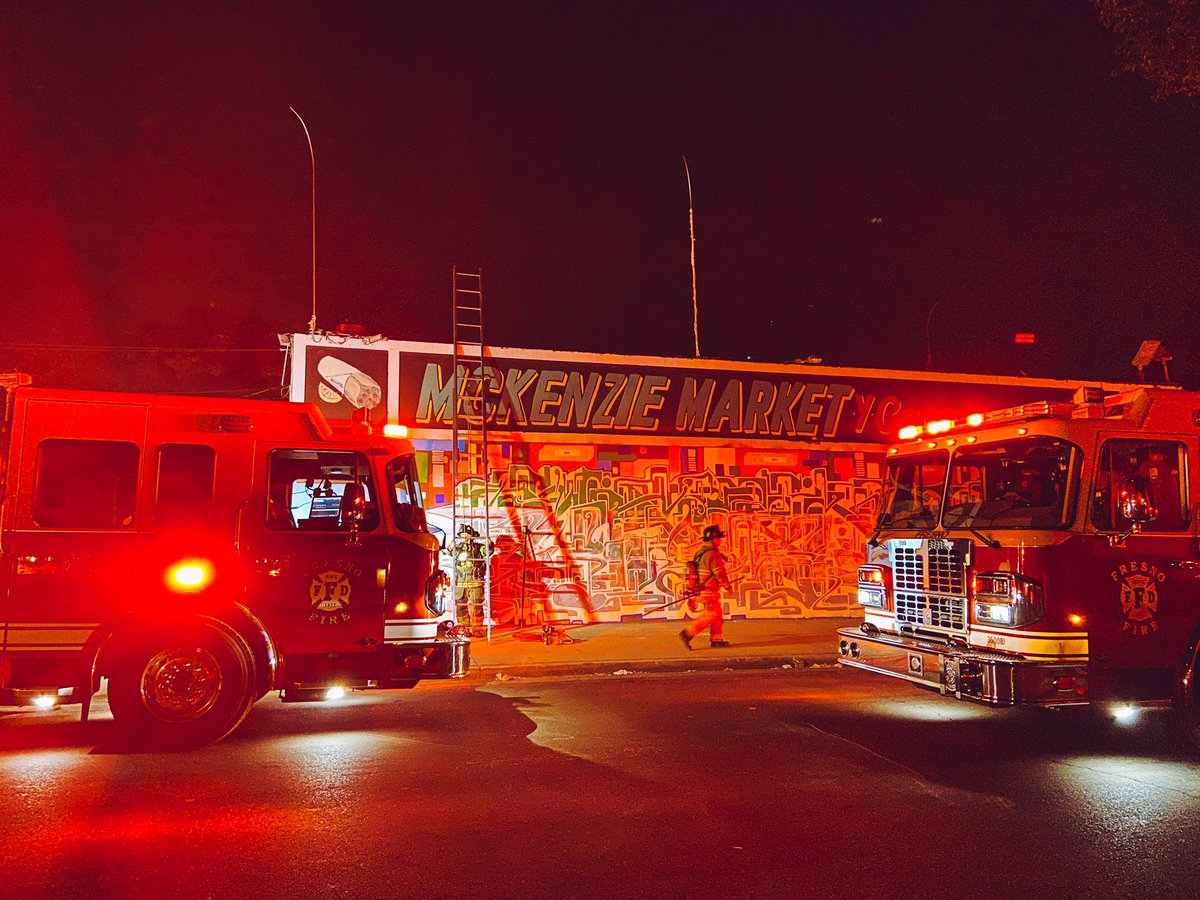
[
  {"x": 1138, "y": 585},
  {"x": 329, "y": 592}
]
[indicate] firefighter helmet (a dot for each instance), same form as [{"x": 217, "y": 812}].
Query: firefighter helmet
[{"x": 713, "y": 531}]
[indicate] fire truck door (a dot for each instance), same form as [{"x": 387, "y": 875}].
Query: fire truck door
[
  {"x": 1144, "y": 590},
  {"x": 315, "y": 593},
  {"x": 73, "y": 536},
  {"x": 316, "y": 588}
]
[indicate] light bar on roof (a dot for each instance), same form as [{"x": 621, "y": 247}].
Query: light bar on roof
[{"x": 1040, "y": 410}]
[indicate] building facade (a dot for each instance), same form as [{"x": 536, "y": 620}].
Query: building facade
[{"x": 604, "y": 470}]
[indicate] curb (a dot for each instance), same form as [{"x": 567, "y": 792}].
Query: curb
[{"x": 494, "y": 672}]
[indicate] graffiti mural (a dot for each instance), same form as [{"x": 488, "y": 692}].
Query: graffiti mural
[
  {"x": 604, "y": 470},
  {"x": 593, "y": 533}
]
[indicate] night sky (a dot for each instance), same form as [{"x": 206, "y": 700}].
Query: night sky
[{"x": 889, "y": 184}]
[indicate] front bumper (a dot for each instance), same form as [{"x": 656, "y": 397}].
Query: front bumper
[
  {"x": 442, "y": 657},
  {"x": 394, "y": 664},
  {"x": 969, "y": 673}
]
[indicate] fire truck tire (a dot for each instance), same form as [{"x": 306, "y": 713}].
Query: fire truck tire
[{"x": 183, "y": 687}]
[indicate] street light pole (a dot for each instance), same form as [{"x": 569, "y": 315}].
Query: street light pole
[
  {"x": 692, "y": 233},
  {"x": 928, "y": 339}
]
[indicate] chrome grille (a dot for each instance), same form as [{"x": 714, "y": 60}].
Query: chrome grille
[
  {"x": 946, "y": 570},
  {"x": 929, "y": 611},
  {"x": 939, "y": 569},
  {"x": 908, "y": 568},
  {"x": 929, "y": 581}
]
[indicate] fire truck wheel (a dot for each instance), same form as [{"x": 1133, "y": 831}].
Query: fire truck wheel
[{"x": 183, "y": 687}]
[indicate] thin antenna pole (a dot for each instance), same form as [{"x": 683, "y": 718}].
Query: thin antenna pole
[
  {"x": 929, "y": 338},
  {"x": 692, "y": 232},
  {"x": 312, "y": 323}
]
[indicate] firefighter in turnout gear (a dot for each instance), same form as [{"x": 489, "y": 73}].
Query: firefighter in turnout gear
[
  {"x": 470, "y": 569},
  {"x": 711, "y": 576}
]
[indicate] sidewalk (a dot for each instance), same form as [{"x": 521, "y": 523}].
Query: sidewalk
[{"x": 654, "y": 647}]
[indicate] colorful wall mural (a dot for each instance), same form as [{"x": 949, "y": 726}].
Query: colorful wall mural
[
  {"x": 595, "y": 533},
  {"x": 606, "y": 469}
]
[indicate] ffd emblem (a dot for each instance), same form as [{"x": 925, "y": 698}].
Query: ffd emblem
[
  {"x": 1138, "y": 587},
  {"x": 329, "y": 593}
]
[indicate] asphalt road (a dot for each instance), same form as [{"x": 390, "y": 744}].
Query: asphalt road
[{"x": 783, "y": 783}]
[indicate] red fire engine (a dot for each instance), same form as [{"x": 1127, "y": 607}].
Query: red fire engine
[
  {"x": 1044, "y": 555},
  {"x": 200, "y": 553}
]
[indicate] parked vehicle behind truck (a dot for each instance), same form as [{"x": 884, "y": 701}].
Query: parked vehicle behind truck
[
  {"x": 200, "y": 553},
  {"x": 1043, "y": 555}
]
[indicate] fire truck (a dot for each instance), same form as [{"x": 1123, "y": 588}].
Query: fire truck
[
  {"x": 201, "y": 553},
  {"x": 1045, "y": 555}
]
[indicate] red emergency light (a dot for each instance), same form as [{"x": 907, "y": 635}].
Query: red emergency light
[
  {"x": 1023, "y": 337},
  {"x": 188, "y": 576}
]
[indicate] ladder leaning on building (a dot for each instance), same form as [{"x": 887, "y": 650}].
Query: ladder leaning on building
[{"x": 469, "y": 451}]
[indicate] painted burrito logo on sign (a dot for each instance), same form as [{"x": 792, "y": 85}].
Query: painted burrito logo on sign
[
  {"x": 1138, "y": 589},
  {"x": 329, "y": 592},
  {"x": 345, "y": 380}
]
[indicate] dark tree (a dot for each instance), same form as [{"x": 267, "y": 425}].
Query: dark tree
[{"x": 1159, "y": 40}]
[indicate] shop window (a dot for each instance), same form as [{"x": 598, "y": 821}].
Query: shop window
[
  {"x": 85, "y": 484},
  {"x": 1152, "y": 469},
  {"x": 184, "y": 490}
]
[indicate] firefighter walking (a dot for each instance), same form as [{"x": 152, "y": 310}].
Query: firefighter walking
[{"x": 711, "y": 578}]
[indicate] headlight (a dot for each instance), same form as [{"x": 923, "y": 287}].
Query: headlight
[
  {"x": 872, "y": 586},
  {"x": 868, "y": 597},
  {"x": 437, "y": 592},
  {"x": 1008, "y": 599}
]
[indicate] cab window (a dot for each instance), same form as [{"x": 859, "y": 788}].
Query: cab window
[
  {"x": 85, "y": 484},
  {"x": 407, "y": 505},
  {"x": 1155, "y": 470},
  {"x": 306, "y": 487},
  {"x": 183, "y": 494}
]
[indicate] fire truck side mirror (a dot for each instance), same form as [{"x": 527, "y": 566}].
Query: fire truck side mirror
[
  {"x": 354, "y": 504},
  {"x": 354, "y": 511},
  {"x": 1135, "y": 508}
]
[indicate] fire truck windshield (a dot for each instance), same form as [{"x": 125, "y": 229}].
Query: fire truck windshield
[
  {"x": 1027, "y": 482},
  {"x": 913, "y": 494}
]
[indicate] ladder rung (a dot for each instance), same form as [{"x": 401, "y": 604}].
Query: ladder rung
[{"x": 475, "y": 291}]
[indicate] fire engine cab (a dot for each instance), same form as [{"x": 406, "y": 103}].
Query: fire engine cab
[
  {"x": 200, "y": 553},
  {"x": 1044, "y": 555}
]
